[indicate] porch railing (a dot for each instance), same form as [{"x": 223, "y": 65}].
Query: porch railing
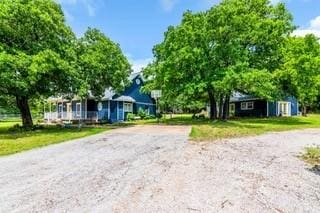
[{"x": 89, "y": 115}]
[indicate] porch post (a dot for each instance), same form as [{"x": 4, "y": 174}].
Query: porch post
[
  {"x": 86, "y": 111},
  {"x": 49, "y": 119},
  {"x": 62, "y": 109}
]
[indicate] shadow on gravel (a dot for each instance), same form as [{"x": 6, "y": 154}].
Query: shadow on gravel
[{"x": 315, "y": 170}]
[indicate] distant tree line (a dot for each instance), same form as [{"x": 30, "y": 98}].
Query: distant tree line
[
  {"x": 236, "y": 46},
  {"x": 40, "y": 57}
]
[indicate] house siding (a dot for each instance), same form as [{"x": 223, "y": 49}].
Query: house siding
[
  {"x": 103, "y": 114},
  {"x": 121, "y": 112},
  {"x": 259, "y": 110},
  {"x": 273, "y": 108},
  {"x": 294, "y": 105},
  {"x": 143, "y": 100},
  {"x": 113, "y": 110}
]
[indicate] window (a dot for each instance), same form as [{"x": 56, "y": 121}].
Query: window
[
  {"x": 78, "y": 109},
  {"x": 60, "y": 108},
  {"x": 247, "y": 106},
  {"x": 128, "y": 107}
]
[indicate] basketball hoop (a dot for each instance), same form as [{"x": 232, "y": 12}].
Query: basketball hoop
[{"x": 156, "y": 94}]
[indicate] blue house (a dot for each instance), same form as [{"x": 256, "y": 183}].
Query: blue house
[
  {"x": 247, "y": 105},
  {"x": 112, "y": 107}
]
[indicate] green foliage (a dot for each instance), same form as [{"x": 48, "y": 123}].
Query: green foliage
[
  {"x": 142, "y": 113},
  {"x": 36, "y": 52},
  {"x": 211, "y": 53},
  {"x": 41, "y": 57},
  {"x": 130, "y": 116},
  {"x": 102, "y": 64},
  {"x": 300, "y": 74}
]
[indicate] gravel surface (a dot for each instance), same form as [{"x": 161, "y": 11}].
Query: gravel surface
[{"x": 156, "y": 169}]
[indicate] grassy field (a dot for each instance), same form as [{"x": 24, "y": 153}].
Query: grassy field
[
  {"x": 14, "y": 141},
  {"x": 312, "y": 155},
  {"x": 247, "y": 127},
  {"x": 207, "y": 130}
]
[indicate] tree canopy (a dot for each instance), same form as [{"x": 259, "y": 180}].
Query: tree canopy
[
  {"x": 41, "y": 57},
  {"x": 300, "y": 73},
  {"x": 234, "y": 46},
  {"x": 101, "y": 64}
]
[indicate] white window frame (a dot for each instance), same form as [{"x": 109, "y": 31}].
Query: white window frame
[
  {"x": 127, "y": 107},
  {"x": 60, "y": 108},
  {"x": 287, "y": 109},
  {"x": 245, "y": 105},
  {"x": 78, "y": 112}
]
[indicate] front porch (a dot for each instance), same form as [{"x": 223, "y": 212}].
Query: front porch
[
  {"x": 71, "y": 116},
  {"x": 71, "y": 110}
]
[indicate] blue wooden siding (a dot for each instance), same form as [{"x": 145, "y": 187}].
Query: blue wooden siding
[
  {"x": 121, "y": 111},
  {"x": 134, "y": 91},
  {"x": 294, "y": 105},
  {"x": 113, "y": 111},
  {"x": 116, "y": 111},
  {"x": 273, "y": 108},
  {"x": 103, "y": 114},
  {"x": 259, "y": 110}
]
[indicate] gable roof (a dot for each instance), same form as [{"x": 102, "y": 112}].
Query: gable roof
[{"x": 237, "y": 97}]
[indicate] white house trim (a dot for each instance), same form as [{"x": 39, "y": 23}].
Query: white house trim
[
  {"x": 86, "y": 111},
  {"x": 146, "y": 103},
  {"x": 288, "y": 105}
]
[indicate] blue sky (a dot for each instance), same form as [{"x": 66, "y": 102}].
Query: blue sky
[{"x": 137, "y": 25}]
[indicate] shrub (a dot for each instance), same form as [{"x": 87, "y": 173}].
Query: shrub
[
  {"x": 130, "y": 116},
  {"x": 148, "y": 117},
  {"x": 159, "y": 115},
  {"x": 142, "y": 113}
]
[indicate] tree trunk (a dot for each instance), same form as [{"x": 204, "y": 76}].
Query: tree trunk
[
  {"x": 23, "y": 105},
  {"x": 213, "y": 105},
  {"x": 304, "y": 111},
  {"x": 221, "y": 107},
  {"x": 226, "y": 108}
]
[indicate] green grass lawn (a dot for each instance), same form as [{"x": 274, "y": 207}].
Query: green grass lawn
[
  {"x": 205, "y": 129},
  {"x": 14, "y": 142}
]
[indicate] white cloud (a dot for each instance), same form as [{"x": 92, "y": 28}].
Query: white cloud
[
  {"x": 313, "y": 28},
  {"x": 168, "y": 5},
  {"x": 90, "y": 5},
  {"x": 138, "y": 64}
]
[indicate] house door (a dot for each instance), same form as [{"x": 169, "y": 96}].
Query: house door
[
  {"x": 69, "y": 111},
  {"x": 284, "y": 109},
  {"x": 232, "y": 110}
]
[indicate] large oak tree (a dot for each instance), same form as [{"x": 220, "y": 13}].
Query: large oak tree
[
  {"x": 234, "y": 46},
  {"x": 300, "y": 74},
  {"x": 40, "y": 56}
]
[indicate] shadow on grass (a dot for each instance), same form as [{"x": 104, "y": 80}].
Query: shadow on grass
[
  {"x": 6, "y": 134},
  {"x": 274, "y": 121}
]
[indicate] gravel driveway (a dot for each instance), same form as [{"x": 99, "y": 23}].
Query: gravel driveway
[{"x": 155, "y": 169}]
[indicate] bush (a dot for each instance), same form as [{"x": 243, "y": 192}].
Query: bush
[
  {"x": 148, "y": 117},
  {"x": 159, "y": 115},
  {"x": 130, "y": 116},
  {"x": 142, "y": 113}
]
